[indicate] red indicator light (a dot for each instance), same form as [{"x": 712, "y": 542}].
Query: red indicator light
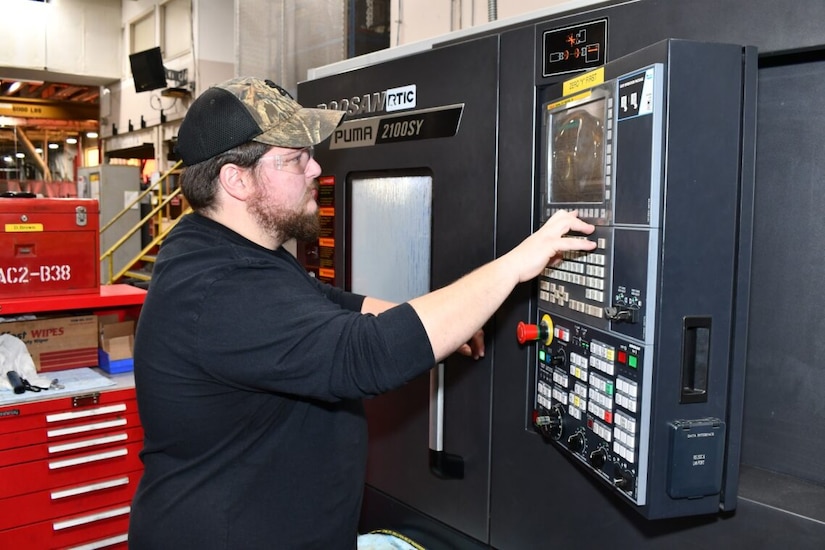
[{"x": 622, "y": 357}]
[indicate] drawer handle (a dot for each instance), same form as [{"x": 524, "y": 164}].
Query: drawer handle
[
  {"x": 91, "y": 518},
  {"x": 58, "y": 417},
  {"x": 86, "y": 443},
  {"x": 87, "y": 459},
  {"x": 102, "y": 543},
  {"x": 91, "y": 488},
  {"x": 86, "y": 400},
  {"x": 86, "y": 427}
]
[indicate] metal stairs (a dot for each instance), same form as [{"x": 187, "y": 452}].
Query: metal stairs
[{"x": 169, "y": 207}]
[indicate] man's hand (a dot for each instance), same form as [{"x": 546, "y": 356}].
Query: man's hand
[{"x": 474, "y": 347}]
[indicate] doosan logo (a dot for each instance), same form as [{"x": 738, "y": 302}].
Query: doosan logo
[
  {"x": 398, "y": 99},
  {"x": 393, "y": 99}
]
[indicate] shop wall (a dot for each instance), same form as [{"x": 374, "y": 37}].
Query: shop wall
[
  {"x": 415, "y": 20},
  {"x": 207, "y": 35},
  {"x": 62, "y": 37}
]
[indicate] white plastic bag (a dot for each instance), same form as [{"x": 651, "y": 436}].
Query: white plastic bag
[{"x": 15, "y": 356}]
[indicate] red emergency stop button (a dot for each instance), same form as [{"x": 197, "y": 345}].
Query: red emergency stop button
[{"x": 527, "y": 333}]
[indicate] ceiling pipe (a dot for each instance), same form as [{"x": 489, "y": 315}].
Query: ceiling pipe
[{"x": 47, "y": 174}]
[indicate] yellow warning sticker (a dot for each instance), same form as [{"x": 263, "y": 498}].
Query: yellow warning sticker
[
  {"x": 566, "y": 100},
  {"x": 582, "y": 82}
]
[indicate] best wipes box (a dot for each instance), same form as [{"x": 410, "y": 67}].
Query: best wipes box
[
  {"x": 117, "y": 342},
  {"x": 58, "y": 343}
]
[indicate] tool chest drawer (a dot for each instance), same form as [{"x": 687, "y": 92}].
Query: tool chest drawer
[
  {"x": 65, "y": 501},
  {"x": 69, "y": 467},
  {"x": 100, "y": 528}
]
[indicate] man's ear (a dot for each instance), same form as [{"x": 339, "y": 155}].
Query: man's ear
[{"x": 236, "y": 181}]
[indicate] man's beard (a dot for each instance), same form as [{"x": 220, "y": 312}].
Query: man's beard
[{"x": 282, "y": 223}]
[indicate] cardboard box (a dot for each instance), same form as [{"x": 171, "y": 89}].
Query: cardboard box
[
  {"x": 58, "y": 343},
  {"x": 117, "y": 343}
]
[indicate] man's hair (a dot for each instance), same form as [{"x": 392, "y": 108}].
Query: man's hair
[{"x": 199, "y": 182}]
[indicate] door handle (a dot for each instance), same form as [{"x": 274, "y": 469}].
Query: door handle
[{"x": 442, "y": 464}]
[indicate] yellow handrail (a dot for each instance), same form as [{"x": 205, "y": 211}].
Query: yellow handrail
[
  {"x": 162, "y": 202},
  {"x": 154, "y": 242},
  {"x": 139, "y": 198}
]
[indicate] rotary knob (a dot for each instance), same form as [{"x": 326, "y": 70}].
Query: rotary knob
[
  {"x": 598, "y": 458},
  {"x": 576, "y": 442},
  {"x": 551, "y": 424},
  {"x": 623, "y": 479}
]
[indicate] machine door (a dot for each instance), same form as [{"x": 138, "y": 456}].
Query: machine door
[{"x": 408, "y": 205}]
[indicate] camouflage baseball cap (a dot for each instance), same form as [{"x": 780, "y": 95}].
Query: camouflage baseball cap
[{"x": 249, "y": 109}]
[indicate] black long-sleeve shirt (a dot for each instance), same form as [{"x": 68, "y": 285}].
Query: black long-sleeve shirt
[{"x": 249, "y": 375}]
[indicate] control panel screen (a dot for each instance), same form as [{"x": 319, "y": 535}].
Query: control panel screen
[{"x": 576, "y": 152}]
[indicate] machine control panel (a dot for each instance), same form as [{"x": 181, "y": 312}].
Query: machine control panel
[
  {"x": 591, "y": 393},
  {"x": 589, "y": 398},
  {"x": 632, "y": 341}
]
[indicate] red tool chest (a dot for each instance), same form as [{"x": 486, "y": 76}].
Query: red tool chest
[
  {"x": 49, "y": 246},
  {"x": 69, "y": 467},
  {"x": 69, "y": 463}
]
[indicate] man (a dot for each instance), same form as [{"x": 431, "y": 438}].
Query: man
[{"x": 249, "y": 373}]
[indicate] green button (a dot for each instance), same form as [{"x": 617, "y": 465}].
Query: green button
[
  {"x": 632, "y": 361},
  {"x": 609, "y": 388},
  {"x": 541, "y": 355}
]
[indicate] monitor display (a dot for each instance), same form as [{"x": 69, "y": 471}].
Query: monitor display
[
  {"x": 148, "y": 71},
  {"x": 576, "y": 163}
]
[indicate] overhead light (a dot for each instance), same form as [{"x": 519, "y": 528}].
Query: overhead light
[
  {"x": 71, "y": 140},
  {"x": 15, "y": 86},
  {"x": 91, "y": 135},
  {"x": 20, "y": 155},
  {"x": 11, "y": 121},
  {"x": 38, "y": 150},
  {"x": 53, "y": 146}
]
